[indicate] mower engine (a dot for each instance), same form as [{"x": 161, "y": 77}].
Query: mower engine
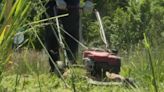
[{"x": 98, "y": 62}]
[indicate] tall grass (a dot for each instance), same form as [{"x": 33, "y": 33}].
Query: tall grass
[
  {"x": 136, "y": 65},
  {"x": 148, "y": 49},
  {"x": 12, "y": 17}
]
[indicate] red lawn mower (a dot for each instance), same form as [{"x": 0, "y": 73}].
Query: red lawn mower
[{"x": 103, "y": 65}]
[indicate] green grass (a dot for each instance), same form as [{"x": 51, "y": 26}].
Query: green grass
[{"x": 29, "y": 72}]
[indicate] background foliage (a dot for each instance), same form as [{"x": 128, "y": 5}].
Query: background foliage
[{"x": 125, "y": 21}]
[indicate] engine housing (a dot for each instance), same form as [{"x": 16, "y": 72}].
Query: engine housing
[{"x": 98, "y": 62}]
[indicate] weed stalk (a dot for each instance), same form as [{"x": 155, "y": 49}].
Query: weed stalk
[{"x": 147, "y": 46}]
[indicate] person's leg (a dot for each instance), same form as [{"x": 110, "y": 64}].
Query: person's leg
[
  {"x": 52, "y": 47},
  {"x": 51, "y": 41},
  {"x": 71, "y": 25}
]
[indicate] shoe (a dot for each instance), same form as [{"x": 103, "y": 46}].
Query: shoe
[
  {"x": 59, "y": 70},
  {"x": 61, "y": 65}
]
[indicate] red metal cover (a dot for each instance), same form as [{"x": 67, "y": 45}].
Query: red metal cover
[{"x": 101, "y": 56}]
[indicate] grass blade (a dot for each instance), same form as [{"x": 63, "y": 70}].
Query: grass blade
[
  {"x": 147, "y": 46},
  {"x": 2, "y": 35}
]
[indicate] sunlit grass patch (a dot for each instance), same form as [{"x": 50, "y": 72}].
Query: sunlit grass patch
[
  {"x": 136, "y": 67},
  {"x": 26, "y": 61}
]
